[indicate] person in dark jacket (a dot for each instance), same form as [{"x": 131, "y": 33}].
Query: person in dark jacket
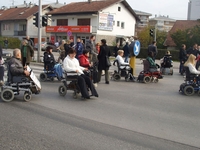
[
  {"x": 182, "y": 58},
  {"x": 27, "y": 53},
  {"x": 153, "y": 48},
  {"x": 79, "y": 48},
  {"x": 104, "y": 52},
  {"x": 67, "y": 47},
  {"x": 116, "y": 48},
  {"x": 90, "y": 45},
  {"x": 1, "y": 66},
  {"x": 126, "y": 52}
]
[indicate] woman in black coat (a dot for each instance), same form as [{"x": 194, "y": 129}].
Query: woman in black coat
[{"x": 104, "y": 51}]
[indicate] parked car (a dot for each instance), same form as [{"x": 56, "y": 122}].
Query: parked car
[{"x": 44, "y": 45}]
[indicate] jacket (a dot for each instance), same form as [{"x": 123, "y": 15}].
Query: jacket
[
  {"x": 84, "y": 61},
  {"x": 152, "y": 48},
  {"x": 49, "y": 61},
  {"x": 29, "y": 53},
  {"x": 15, "y": 66},
  {"x": 79, "y": 49},
  {"x": 104, "y": 51}
]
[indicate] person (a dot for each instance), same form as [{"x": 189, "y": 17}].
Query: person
[
  {"x": 1, "y": 67},
  {"x": 132, "y": 61},
  {"x": 167, "y": 62},
  {"x": 153, "y": 48},
  {"x": 15, "y": 65},
  {"x": 116, "y": 48},
  {"x": 98, "y": 47},
  {"x": 102, "y": 56},
  {"x": 61, "y": 48},
  {"x": 71, "y": 42},
  {"x": 72, "y": 64},
  {"x": 182, "y": 58},
  {"x": 123, "y": 64},
  {"x": 78, "y": 48},
  {"x": 30, "y": 42},
  {"x": 27, "y": 53},
  {"x": 6, "y": 43},
  {"x": 90, "y": 45},
  {"x": 126, "y": 52},
  {"x": 190, "y": 63},
  {"x": 50, "y": 63},
  {"x": 67, "y": 47},
  {"x": 153, "y": 66},
  {"x": 84, "y": 62},
  {"x": 83, "y": 44}
]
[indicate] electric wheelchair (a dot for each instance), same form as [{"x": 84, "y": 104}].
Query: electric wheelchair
[
  {"x": 191, "y": 85},
  {"x": 125, "y": 72},
  {"x": 16, "y": 84}
]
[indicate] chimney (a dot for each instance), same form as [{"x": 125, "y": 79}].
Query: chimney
[{"x": 89, "y": 1}]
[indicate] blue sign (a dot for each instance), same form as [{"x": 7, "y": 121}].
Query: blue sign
[{"x": 136, "y": 48}]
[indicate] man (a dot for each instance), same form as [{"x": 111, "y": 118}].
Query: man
[
  {"x": 182, "y": 58},
  {"x": 153, "y": 48},
  {"x": 79, "y": 48},
  {"x": 30, "y": 42},
  {"x": 6, "y": 43},
  {"x": 27, "y": 53},
  {"x": 15, "y": 65},
  {"x": 90, "y": 45}
]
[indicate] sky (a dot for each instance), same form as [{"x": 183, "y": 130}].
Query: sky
[{"x": 175, "y": 9}]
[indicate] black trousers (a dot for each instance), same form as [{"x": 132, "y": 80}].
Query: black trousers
[
  {"x": 1, "y": 72},
  {"x": 84, "y": 82},
  {"x": 24, "y": 61}
]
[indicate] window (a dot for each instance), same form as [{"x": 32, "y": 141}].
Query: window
[
  {"x": 118, "y": 23},
  {"x": 62, "y": 22},
  {"x": 6, "y": 27},
  {"x": 122, "y": 25},
  {"x": 119, "y": 8},
  {"x": 84, "y": 22}
]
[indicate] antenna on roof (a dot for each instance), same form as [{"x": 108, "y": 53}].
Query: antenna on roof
[{"x": 13, "y": 2}]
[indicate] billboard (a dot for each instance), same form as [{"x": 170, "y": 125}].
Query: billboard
[{"x": 106, "y": 22}]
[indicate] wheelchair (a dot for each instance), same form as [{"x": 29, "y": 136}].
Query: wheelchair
[
  {"x": 146, "y": 76},
  {"x": 69, "y": 83},
  {"x": 166, "y": 65},
  {"x": 125, "y": 72},
  {"x": 16, "y": 84},
  {"x": 191, "y": 85},
  {"x": 49, "y": 73}
]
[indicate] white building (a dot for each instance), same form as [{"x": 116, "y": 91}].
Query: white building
[
  {"x": 193, "y": 10},
  {"x": 108, "y": 19}
]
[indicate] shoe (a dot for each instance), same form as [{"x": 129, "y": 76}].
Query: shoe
[
  {"x": 107, "y": 82},
  {"x": 87, "y": 97},
  {"x": 95, "y": 85}
]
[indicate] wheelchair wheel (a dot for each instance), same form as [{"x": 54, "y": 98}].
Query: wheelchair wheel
[
  {"x": 116, "y": 77},
  {"x": 189, "y": 90},
  {"x": 43, "y": 77},
  {"x": 27, "y": 96},
  {"x": 7, "y": 95},
  {"x": 62, "y": 90},
  {"x": 52, "y": 78},
  {"x": 147, "y": 79}
]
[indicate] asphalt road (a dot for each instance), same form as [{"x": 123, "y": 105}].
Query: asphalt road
[{"x": 127, "y": 115}]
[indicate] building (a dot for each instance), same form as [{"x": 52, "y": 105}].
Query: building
[
  {"x": 162, "y": 23},
  {"x": 106, "y": 19},
  {"x": 193, "y": 10},
  {"x": 179, "y": 25},
  {"x": 18, "y": 21}
]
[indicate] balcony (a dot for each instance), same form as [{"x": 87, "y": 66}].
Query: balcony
[{"x": 19, "y": 33}]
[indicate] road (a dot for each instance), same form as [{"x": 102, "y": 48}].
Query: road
[{"x": 127, "y": 115}]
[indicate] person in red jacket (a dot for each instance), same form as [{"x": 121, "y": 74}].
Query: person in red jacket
[{"x": 84, "y": 62}]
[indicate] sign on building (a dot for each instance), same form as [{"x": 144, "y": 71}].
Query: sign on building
[{"x": 106, "y": 22}]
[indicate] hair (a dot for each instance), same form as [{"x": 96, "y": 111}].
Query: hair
[
  {"x": 16, "y": 51},
  {"x": 71, "y": 50},
  {"x": 63, "y": 41},
  {"x": 103, "y": 41},
  {"x": 68, "y": 42},
  {"x": 120, "y": 52},
  {"x": 191, "y": 59},
  {"x": 168, "y": 52},
  {"x": 150, "y": 54},
  {"x": 86, "y": 51},
  {"x": 92, "y": 36},
  {"x": 25, "y": 41},
  {"x": 153, "y": 42},
  {"x": 48, "y": 48},
  {"x": 183, "y": 45}
]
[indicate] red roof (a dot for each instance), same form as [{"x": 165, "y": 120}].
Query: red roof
[{"x": 179, "y": 25}]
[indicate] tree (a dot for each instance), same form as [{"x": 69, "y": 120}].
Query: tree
[{"x": 144, "y": 37}]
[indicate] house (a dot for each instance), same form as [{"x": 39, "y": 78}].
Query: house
[
  {"x": 18, "y": 22},
  {"x": 179, "y": 25},
  {"x": 106, "y": 19},
  {"x": 162, "y": 23}
]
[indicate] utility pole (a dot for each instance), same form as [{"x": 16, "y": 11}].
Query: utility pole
[
  {"x": 155, "y": 32},
  {"x": 39, "y": 29}
]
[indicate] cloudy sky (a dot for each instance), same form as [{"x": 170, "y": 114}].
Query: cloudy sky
[{"x": 175, "y": 9}]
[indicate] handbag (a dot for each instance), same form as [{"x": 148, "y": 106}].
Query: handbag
[{"x": 108, "y": 64}]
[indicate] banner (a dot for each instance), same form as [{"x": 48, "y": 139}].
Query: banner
[
  {"x": 76, "y": 29},
  {"x": 106, "y": 22}
]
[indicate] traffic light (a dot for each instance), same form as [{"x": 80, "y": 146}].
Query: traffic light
[
  {"x": 44, "y": 20},
  {"x": 35, "y": 19},
  {"x": 151, "y": 32}
]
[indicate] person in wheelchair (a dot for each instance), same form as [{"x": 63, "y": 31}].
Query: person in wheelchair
[
  {"x": 84, "y": 62},
  {"x": 190, "y": 63},
  {"x": 153, "y": 67},
  {"x": 167, "y": 62},
  {"x": 16, "y": 70},
  {"x": 72, "y": 67},
  {"x": 124, "y": 65},
  {"x": 50, "y": 63}
]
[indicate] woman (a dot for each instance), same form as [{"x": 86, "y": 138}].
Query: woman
[
  {"x": 190, "y": 63},
  {"x": 152, "y": 64},
  {"x": 61, "y": 48},
  {"x": 72, "y": 64},
  {"x": 27, "y": 53},
  {"x": 50, "y": 63},
  {"x": 84, "y": 62},
  {"x": 103, "y": 53},
  {"x": 1, "y": 66}
]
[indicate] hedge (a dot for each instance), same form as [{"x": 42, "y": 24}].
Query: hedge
[{"x": 12, "y": 42}]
